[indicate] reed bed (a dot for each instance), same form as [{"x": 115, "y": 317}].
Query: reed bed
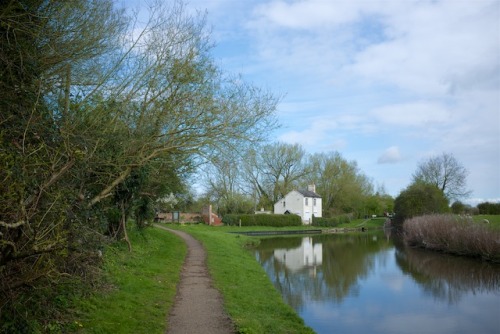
[{"x": 453, "y": 234}]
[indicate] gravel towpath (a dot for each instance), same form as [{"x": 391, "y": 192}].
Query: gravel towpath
[{"x": 198, "y": 306}]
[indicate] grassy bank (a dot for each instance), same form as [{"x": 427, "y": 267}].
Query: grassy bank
[
  {"x": 249, "y": 297},
  {"x": 141, "y": 286},
  {"x": 454, "y": 234}
]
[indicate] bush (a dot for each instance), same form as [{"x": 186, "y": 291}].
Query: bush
[
  {"x": 453, "y": 234},
  {"x": 330, "y": 222},
  {"x": 420, "y": 199},
  {"x": 262, "y": 220}
]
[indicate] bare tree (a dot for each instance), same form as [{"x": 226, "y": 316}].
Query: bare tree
[
  {"x": 445, "y": 172},
  {"x": 275, "y": 169}
]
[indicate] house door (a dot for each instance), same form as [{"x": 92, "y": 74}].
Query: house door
[{"x": 307, "y": 217}]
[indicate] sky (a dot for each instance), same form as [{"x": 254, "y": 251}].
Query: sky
[{"x": 386, "y": 83}]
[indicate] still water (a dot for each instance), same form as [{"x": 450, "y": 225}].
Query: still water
[{"x": 368, "y": 283}]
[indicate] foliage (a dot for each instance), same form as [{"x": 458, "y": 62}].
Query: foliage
[
  {"x": 419, "y": 199},
  {"x": 330, "y": 222},
  {"x": 342, "y": 186},
  {"x": 453, "y": 234},
  {"x": 260, "y": 176},
  {"x": 487, "y": 208},
  {"x": 262, "y": 220},
  {"x": 378, "y": 204},
  {"x": 97, "y": 119},
  {"x": 446, "y": 173}
]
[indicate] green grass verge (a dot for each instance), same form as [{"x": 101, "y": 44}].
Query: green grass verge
[
  {"x": 493, "y": 219},
  {"x": 250, "y": 299},
  {"x": 142, "y": 285}
]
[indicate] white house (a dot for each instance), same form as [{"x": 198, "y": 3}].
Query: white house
[{"x": 304, "y": 203}]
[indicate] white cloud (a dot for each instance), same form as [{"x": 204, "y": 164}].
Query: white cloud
[
  {"x": 390, "y": 156},
  {"x": 313, "y": 134},
  {"x": 307, "y": 14},
  {"x": 415, "y": 114},
  {"x": 360, "y": 76}
]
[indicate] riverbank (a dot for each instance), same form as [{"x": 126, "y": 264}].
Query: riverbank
[
  {"x": 455, "y": 235},
  {"x": 141, "y": 286},
  {"x": 250, "y": 298}
]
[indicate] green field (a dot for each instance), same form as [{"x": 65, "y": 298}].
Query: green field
[{"x": 493, "y": 219}]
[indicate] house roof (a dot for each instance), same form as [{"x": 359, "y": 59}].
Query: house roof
[{"x": 308, "y": 193}]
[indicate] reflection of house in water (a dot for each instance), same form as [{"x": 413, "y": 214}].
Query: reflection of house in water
[{"x": 307, "y": 256}]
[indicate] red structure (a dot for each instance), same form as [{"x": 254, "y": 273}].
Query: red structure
[{"x": 209, "y": 217}]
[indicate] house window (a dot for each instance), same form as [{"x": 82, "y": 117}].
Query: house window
[
  {"x": 284, "y": 204},
  {"x": 307, "y": 202},
  {"x": 314, "y": 201}
]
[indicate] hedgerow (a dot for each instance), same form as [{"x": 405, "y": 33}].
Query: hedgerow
[
  {"x": 261, "y": 220},
  {"x": 330, "y": 222}
]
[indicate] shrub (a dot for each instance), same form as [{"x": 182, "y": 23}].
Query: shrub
[
  {"x": 330, "y": 222},
  {"x": 453, "y": 234},
  {"x": 419, "y": 199},
  {"x": 261, "y": 220}
]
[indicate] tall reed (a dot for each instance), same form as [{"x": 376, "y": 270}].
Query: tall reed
[{"x": 453, "y": 234}]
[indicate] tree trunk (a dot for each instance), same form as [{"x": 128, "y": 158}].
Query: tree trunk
[{"x": 124, "y": 227}]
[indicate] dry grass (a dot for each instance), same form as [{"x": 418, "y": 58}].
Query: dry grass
[{"x": 453, "y": 234}]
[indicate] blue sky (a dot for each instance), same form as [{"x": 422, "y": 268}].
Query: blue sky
[{"x": 387, "y": 83}]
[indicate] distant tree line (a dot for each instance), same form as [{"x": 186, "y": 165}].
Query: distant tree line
[
  {"x": 246, "y": 180},
  {"x": 488, "y": 208}
]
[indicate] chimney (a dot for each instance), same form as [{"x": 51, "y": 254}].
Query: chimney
[{"x": 312, "y": 188}]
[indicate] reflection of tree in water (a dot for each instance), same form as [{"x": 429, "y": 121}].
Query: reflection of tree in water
[
  {"x": 446, "y": 277},
  {"x": 346, "y": 260}
]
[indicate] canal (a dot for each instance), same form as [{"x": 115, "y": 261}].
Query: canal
[{"x": 370, "y": 283}]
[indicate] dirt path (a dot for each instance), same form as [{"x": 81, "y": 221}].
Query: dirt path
[{"x": 198, "y": 306}]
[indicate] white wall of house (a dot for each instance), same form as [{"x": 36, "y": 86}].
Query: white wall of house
[
  {"x": 296, "y": 203},
  {"x": 312, "y": 206}
]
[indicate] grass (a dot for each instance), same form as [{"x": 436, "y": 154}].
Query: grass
[
  {"x": 142, "y": 286},
  {"x": 250, "y": 299},
  {"x": 367, "y": 223},
  {"x": 493, "y": 219}
]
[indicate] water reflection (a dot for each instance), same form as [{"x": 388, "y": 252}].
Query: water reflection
[
  {"x": 446, "y": 277},
  {"x": 307, "y": 256},
  {"x": 357, "y": 282}
]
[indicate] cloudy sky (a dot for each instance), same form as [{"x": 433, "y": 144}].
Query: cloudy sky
[{"x": 387, "y": 83}]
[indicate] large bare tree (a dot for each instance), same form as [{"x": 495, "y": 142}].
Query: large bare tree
[
  {"x": 274, "y": 169},
  {"x": 445, "y": 172}
]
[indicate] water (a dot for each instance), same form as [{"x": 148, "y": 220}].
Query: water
[{"x": 367, "y": 283}]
